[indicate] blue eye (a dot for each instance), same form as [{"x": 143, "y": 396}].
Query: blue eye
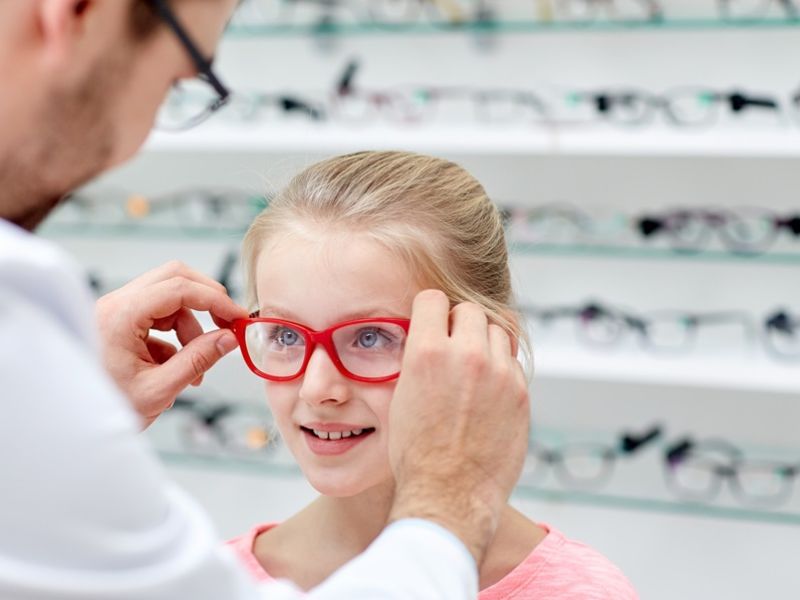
[
  {"x": 285, "y": 336},
  {"x": 374, "y": 337},
  {"x": 368, "y": 338}
]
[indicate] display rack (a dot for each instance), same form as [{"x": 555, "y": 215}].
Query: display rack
[
  {"x": 505, "y": 27},
  {"x": 559, "y": 496},
  {"x": 277, "y": 137}
]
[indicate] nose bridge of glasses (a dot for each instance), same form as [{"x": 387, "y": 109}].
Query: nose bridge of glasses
[{"x": 321, "y": 343}]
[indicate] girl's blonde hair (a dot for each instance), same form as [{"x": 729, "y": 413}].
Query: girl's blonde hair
[{"x": 428, "y": 211}]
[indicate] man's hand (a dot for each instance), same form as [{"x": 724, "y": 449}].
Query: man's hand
[
  {"x": 151, "y": 371},
  {"x": 458, "y": 421}
]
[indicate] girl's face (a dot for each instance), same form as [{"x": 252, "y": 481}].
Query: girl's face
[{"x": 321, "y": 279}]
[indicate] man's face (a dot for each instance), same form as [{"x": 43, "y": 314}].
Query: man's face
[{"x": 92, "y": 95}]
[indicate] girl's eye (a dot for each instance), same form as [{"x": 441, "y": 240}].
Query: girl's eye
[
  {"x": 373, "y": 337},
  {"x": 285, "y": 336}
]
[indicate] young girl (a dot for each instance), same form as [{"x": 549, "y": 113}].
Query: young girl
[{"x": 333, "y": 266}]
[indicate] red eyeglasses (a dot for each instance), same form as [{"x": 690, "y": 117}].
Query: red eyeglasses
[{"x": 368, "y": 350}]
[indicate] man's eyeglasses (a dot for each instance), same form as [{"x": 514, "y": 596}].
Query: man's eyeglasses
[
  {"x": 198, "y": 98},
  {"x": 366, "y": 350}
]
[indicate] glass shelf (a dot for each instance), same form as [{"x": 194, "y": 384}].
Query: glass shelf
[
  {"x": 644, "y": 253},
  {"x": 491, "y": 27},
  {"x": 139, "y": 231},
  {"x": 658, "y": 505}
]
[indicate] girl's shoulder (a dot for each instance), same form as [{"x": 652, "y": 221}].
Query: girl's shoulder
[
  {"x": 242, "y": 547},
  {"x": 562, "y": 568}
]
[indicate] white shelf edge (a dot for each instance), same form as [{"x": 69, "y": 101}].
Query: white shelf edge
[
  {"x": 752, "y": 373},
  {"x": 282, "y": 138}
]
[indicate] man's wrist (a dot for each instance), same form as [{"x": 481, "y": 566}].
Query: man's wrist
[{"x": 463, "y": 513}]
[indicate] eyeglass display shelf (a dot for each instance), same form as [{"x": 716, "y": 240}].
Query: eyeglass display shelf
[
  {"x": 147, "y": 232},
  {"x": 284, "y": 137},
  {"x": 658, "y": 505},
  {"x": 257, "y": 29},
  {"x": 750, "y": 371},
  {"x": 603, "y": 251},
  {"x": 143, "y": 232}
]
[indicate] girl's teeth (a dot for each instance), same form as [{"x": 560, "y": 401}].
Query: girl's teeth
[{"x": 336, "y": 435}]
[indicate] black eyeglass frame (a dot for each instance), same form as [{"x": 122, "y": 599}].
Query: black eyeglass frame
[{"x": 205, "y": 72}]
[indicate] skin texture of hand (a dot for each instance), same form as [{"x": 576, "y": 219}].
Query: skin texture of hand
[
  {"x": 150, "y": 371},
  {"x": 459, "y": 421}
]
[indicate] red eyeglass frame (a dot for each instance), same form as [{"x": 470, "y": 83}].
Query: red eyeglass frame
[{"x": 312, "y": 338}]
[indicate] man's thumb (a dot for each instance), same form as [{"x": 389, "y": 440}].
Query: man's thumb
[{"x": 197, "y": 357}]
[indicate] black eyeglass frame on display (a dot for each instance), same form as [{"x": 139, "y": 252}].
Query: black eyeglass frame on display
[{"x": 205, "y": 71}]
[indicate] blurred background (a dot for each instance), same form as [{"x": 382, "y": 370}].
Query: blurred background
[{"x": 646, "y": 155}]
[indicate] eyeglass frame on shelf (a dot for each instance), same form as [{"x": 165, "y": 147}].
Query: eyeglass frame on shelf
[{"x": 724, "y": 471}]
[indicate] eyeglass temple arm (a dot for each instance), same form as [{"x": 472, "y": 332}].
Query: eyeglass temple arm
[
  {"x": 630, "y": 442},
  {"x": 740, "y": 101},
  {"x": 203, "y": 65}
]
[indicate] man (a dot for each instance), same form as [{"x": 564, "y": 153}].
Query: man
[{"x": 86, "y": 511}]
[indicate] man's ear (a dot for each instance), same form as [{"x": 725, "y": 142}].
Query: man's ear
[{"x": 61, "y": 23}]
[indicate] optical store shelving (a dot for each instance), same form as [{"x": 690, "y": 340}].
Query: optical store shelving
[
  {"x": 503, "y": 27},
  {"x": 136, "y": 232},
  {"x": 558, "y": 496},
  {"x": 527, "y": 140}
]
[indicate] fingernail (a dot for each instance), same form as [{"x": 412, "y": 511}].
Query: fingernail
[{"x": 227, "y": 342}]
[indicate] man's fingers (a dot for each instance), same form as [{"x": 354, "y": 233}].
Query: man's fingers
[
  {"x": 169, "y": 270},
  {"x": 160, "y": 350},
  {"x": 429, "y": 316},
  {"x": 166, "y": 298},
  {"x": 194, "y": 360},
  {"x": 500, "y": 342},
  {"x": 469, "y": 323},
  {"x": 184, "y": 323}
]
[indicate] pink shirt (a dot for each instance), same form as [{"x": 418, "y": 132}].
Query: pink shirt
[{"x": 558, "y": 568}]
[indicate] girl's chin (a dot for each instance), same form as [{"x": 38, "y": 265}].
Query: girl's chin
[
  {"x": 337, "y": 489},
  {"x": 330, "y": 484}
]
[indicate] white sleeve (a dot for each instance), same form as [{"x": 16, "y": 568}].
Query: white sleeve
[{"x": 87, "y": 513}]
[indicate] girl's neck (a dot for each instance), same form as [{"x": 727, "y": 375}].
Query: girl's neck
[
  {"x": 356, "y": 520},
  {"x": 330, "y": 531}
]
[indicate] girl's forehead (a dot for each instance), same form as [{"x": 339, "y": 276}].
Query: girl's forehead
[{"x": 332, "y": 275}]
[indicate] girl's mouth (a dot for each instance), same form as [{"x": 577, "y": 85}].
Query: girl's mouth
[{"x": 329, "y": 443}]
